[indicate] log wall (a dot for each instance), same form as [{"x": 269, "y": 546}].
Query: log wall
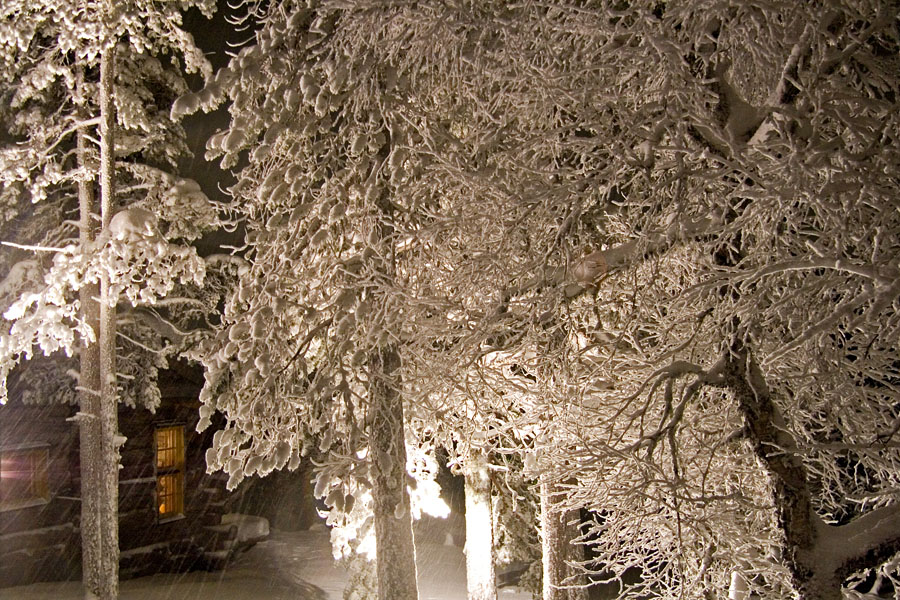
[{"x": 42, "y": 542}]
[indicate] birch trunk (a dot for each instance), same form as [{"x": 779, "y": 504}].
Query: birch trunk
[
  {"x": 109, "y": 453},
  {"x": 558, "y": 530},
  {"x": 89, "y": 390},
  {"x": 394, "y": 550},
  {"x": 481, "y": 582}
]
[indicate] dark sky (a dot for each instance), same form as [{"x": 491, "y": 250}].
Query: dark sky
[{"x": 216, "y": 37}]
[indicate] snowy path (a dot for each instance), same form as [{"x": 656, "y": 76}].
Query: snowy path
[{"x": 289, "y": 565}]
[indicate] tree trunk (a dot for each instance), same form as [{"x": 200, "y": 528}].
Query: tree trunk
[
  {"x": 89, "y": 390},
  {"x": 818, "y": 556},
  {"x": 109, "y": 435},
  {"x": 791, "y": 494},
  {"x": 558, "y": 530},
  {"x": 481, "y": 582},
  {"x": 395, "y": 553}
]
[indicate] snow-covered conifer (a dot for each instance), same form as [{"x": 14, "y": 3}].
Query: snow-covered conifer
[{"x": 90, "y": 85}]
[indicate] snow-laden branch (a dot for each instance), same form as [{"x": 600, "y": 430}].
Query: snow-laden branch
[
  {"x": 864, "y": 543},
  {"x": 49, "y": 150},
  {"x": 596, "y": 265},
  {"x": 870, "y": 272},
  {"x": 825, "y": 324},
  {"x": 161, "y": 325},
  {"x": 33, "y": 248},
  {"x": 133, "y": 341}
]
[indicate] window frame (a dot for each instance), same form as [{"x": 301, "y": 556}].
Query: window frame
[
  {"x": 38, "y": 471},
  {"x": 175, "y": 470}
]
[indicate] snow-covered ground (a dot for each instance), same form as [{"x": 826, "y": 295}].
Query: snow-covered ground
[{"x": 294, "y": 565}]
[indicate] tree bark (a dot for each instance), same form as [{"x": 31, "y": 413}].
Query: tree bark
[
  {"x": 819, "y": 557},
  {"x": 481, "y": 582},
  {"x": 89, "y": 388},
  {"x": 558, "y": 530},
  {"x": 109, "y": 435},
  {"x": 791, "y": 493},
  {"x": 395, "y": 553}
]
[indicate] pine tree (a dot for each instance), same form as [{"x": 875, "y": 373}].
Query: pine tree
[
  {"x": 310, "y": 351},
  {"x": 54, "y": 52}
]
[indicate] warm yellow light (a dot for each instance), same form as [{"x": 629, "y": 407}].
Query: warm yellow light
[
  {"x": 23, "y": 478},
  {"x": 170, "y": 470}
]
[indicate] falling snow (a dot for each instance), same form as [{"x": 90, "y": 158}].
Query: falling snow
[
  {"x": 287, "y": 566},
  {"x": 625, "y": 273}
]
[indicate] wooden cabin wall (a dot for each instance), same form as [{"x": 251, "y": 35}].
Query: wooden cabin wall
[
  {"x": 42, "y": 543},
  {"x": 147, "y": 543},
  {"x": 35, "y": 541}
]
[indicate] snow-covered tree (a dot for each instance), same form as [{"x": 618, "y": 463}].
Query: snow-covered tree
[
  {"x": 374, "y": 249},
  {"x": 76, "y": 106},
  {"x": 733, "y": 344},
  {"x": 677, "y": 215},
  {"x": 704, "y": 201},
  {"x": 312, "y": 347}
]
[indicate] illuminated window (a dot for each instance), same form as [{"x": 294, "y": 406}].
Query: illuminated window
[
  {"x": 23, "y": 478},
  {"x": 170, "y": 471}
]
